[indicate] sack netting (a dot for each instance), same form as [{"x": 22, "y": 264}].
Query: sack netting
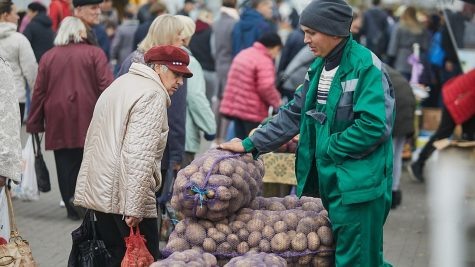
[
  {"x": 217, "y": 184},
  {"x": 297, "y": 230},
  {"x": 188, "y": 258}
]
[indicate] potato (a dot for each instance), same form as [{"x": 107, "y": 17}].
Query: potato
[
  {"x": 216, "y": 215},
  {"x": 177, "y": 244},
  {"x": 236, "y": 226},
  {"x": 209, "y": 245},
  {"x": 233, "y": 240},
  {"x": 323, "y": 213},
  {"x": 322, "y": 221},
  {"x": 239, "y": 170},
  {"x": 313, "y": 241},
  {"x": 306, "y": 225},
  {"x": 223, "y": 221},
  {"x": 206, "y": 224},
  {"x": 276, "y": 206},
  {"x": 209, "y": 163},
  {"x": 180, "y": 227},
  {"x": 255, "y": 225},
  {"x": 234, "y": 192},
  {"x": 224, "y": 228},
  {"x": 254, "y": 239},
  {"x": 218, "y": 205},
  {"x": 268, "y": 232},
  {"x": 210, "y": 260},
  {"x": 201, "y": 211},
  {"x": 280, "y": 227},
  {"x": 280, "y": 242},
  {"x": 226, "y": 167},
  {"x": 243, "y": 234},
  {"x": 273, "y": 260},
  {"x": 198, "y": 179},
  {"x": 219, "y": 180},
  {"x": 326, "y": 236},
  {"x": 244, "y": 217},
  {"x": 238, "y": 181},
  {"x": 255, "y": 204},
  {"x": 305, "y": 260},
  {"x": 223, "y": 193},
  {"x": 224, "y": 247},
  {"x": 291, "y": 220},
  {"x": 311, "y": 206},
  {"x": 299, "y": 242},
  {"x": 242, "y": 248},
  {"x": 195, "y": 233},
  {"x": 217, "y": 236},
  {"x": 322, "y": 261},
  {"x": 291, "y": 234},
  {"x": 188, "y": 170},
  {"x": 264, "y": 245}
]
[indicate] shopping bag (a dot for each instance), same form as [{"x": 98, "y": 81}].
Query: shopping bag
[
  {"x": 87, "y": 250},
  {"x": 136, "y": 254},
  {"x": 42, "y": 173},
  {"x": 28, "y": 188},
  {"x": 4, "y": 218},
  {"x": 17, "y": 252}
]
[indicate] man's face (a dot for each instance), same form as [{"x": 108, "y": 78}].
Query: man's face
[
  {"x": 170, "y": 79},
  {"x": 319, "y": 43},
  {"x": 265, "y": 8},
  {"x": 89, "y": 14}
]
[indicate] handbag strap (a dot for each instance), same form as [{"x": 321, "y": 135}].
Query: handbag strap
[
  {"x": 13, "y": 228},
  {"x": 37, "y": 144}
]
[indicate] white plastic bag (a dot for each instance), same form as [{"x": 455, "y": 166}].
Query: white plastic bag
[
  {"x": 4, "y": 218},
  {"x": 28, "y": 188}
]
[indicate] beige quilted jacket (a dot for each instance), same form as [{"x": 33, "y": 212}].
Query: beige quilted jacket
[{"x": 120, "y": 171}]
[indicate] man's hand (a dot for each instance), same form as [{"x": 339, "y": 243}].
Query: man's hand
[
  {"x": 132, "y": 221},
  {"x": 3, "y": 181},
  {"x": 234, "y": 145}
]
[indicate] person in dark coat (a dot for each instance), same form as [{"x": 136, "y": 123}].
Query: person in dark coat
[
  {"x": 403, "y": 127},
  {"x": 39, "y": 31},
  {"x": 71, "y": 77},
  {"x": 200, "y": 46},
  {"x": 252, "y": 25},
  {"x": 156, "y": 10}
]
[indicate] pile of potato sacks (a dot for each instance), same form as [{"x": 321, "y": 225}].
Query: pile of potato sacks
[{"x": 297, "y": 230}]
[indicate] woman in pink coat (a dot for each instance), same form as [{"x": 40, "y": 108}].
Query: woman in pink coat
[
  {"x": 250, "y": 89},
  {"x": 71, "y": 76}
]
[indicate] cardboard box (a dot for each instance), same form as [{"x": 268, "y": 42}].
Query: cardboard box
[{"x": 431, "y": 118}]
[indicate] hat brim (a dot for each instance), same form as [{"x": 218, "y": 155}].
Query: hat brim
[{"x": 182, "y": 69}]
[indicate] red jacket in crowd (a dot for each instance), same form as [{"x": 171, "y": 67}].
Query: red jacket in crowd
[
  {"x": 459, "y": 97},
  {"x": 69, "y": 82},
  {"x": 250, "y": 88},
  {"x": 58, "y": 10}
]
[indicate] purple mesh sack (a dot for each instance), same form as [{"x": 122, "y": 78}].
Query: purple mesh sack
[
  {"x": 188, "y": 258},
  {"x": 217, "y": 184},
  {"x": 256, "y": 259}
]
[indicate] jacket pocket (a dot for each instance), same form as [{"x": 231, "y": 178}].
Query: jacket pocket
[{"x": 360, "y": 180}]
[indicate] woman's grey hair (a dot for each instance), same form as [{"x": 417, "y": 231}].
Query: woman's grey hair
[
  {"x": 163, "y": 68},
  {"x": 70, "y": 31}
]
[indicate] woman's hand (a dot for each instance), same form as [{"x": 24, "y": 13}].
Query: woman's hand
[
  {"x": 132, "y": 221},
  {"x": 235, "y": 145}
]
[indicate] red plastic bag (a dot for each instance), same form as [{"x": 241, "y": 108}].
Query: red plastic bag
[{"x": 137, "y": 254}]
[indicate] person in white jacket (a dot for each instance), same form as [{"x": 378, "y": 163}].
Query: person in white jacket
[
  {"x": 17, "y": 52},
  {"x": 10, "y": 148},
  {"x": 120, "y": 170},
  {"x": 10, "y": 144}
]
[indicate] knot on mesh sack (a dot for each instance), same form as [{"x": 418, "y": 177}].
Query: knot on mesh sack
[{"x": 200, "y": 192}]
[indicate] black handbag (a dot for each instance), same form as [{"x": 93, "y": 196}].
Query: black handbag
[
  {"x": 42, "y": 173},
  {"x": 87, "y": 249}
]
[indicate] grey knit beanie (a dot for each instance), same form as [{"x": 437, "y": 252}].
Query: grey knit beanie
[{"x": 332, "y": 17}]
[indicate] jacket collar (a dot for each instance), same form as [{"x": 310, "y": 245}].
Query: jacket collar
[
  {"x": 232, "y": 12},
  {"x": 145, "y": 71}
]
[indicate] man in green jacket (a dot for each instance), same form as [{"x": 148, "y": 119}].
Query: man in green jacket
[{"x": 344, "y": 113}]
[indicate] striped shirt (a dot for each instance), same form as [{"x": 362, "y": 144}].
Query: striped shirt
[{"x": 324, "y": 84}]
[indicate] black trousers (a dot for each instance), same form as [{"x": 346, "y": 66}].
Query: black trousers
[
  {"x": 445, "y": 130},
  {"x": 242, "y": 128},
  {"x": 112, "y": 230},
  {"x": 68, "y": 162},
  {"x": 22, "y": 112}
]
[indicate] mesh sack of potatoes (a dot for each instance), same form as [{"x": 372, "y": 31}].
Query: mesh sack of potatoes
[
  {"x": 288, "y": 203},
  {"x": 299, "y": 236},
  {"x": 217, "y": 184},
  {"x": 188, "y": 258},
  {"x": 257, "y": 259}
]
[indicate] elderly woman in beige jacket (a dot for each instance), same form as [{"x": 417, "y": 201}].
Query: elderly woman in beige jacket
[{"x": 120, "y": 171}]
